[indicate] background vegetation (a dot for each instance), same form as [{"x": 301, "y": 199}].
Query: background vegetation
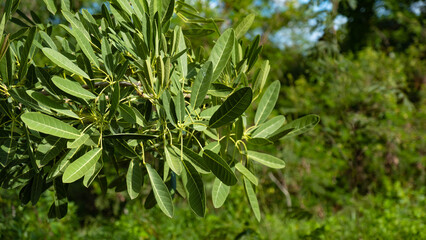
[{"x": 360, "y": 174}]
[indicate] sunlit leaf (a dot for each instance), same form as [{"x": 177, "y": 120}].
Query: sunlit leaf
[
  {"x": 63, "y": 62},
  {"x": 266, "y": 159},
  {"x": 79, "y": 167},
  {"x": 161, "y": 193},
  {"x": 49, "y": 125}
]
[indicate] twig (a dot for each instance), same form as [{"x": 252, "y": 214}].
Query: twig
[{"x": 282, "y": 188}]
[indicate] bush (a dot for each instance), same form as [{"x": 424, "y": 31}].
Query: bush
[{"x": 123, "y": 96}]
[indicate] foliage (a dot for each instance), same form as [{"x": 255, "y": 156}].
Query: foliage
[{"x": 124, "y": 99}]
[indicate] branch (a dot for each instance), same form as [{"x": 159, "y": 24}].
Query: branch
[{"x": 282, "y": 188}]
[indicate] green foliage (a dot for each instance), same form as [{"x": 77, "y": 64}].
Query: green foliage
[{"x": 123, "y": 96}]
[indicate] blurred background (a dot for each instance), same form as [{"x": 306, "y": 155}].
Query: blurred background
[{"x": 360, "y": 174}]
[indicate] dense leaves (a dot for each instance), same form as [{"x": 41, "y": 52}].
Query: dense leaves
[{"x": 114, "y": 98}]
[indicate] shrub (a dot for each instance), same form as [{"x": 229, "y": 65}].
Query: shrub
[{"x": 124, "y": 97}]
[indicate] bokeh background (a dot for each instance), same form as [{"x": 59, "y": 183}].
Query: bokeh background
[{"x": 360, "y": 174}]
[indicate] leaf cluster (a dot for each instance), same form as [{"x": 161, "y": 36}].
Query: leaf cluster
[{"x": 126, "y": 99}]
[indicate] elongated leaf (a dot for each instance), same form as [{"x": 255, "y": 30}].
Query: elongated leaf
[
  {"x": 21, "y": 96},
  {"x": 268, "y": 128},
  {"x": 249, "y": 175},
  {"x": 36, "y": 188},
  {"x": 161, "y": 193},
  {"x": 72, "y": 88},
  {"x": 50, "y": 148},
  {"x": 180, "y": 107},
  {"x": 79, "y": 141},
  {"x": 123, "y": 148},
  {"x": 195, "y": 159},
  {"x": 300, "y": 125},
  {"x": 115, "y": 100},
  {"x": 50, "y": 6},
  {"x": 261, "y": 77},
  {"x": 201, "y": 84},
  {"x": 79, "y": 167},
  {"x": 83, "y": 40},
  {"x": 90, "y": 175},
  {"x": 219, "y": 168},
  {"x": 52, "y": 104},
  {"x": 183, "y": 59},
  {"x": 107, "y": 56},
  {"x": 60, "y": 166},
  {"x": 59, "y": 207},
  {"x": 221, "y": 52},
  {"x": 266, "y": 159},
  {"x": 244, "y": 25},
  {"x": 127, "y": 113},
  {"x": 65, "y": 5},
  {"x": 49, "y": 125},
  {"x": 134, "y": 179},
  {"x": 195, "y": 188},
  {"x": 234, "y": 106},
  {"x": 267, "y": 103},
  {"x": 220, "y": 192},
  {"x": 130, "y": 136},
  {"x": 63, "y": 62},
  {"x": 173, "y": 159},
  {"x": 251, "y": 196},
  {"x": 7, "y": 151}
]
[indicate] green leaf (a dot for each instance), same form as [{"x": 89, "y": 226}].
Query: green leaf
[
  {"x": 123, "y": 148},
  {"x": 266, "y": 159},
  {"x": 219, "y": 168},
  {"x": 127, "y": 113},
  {"x": 300, "y": 125},
  {"x": 59, "y": 207},
  {"x": 7, "y": 151},
  {"x": 36, "y": 188},
  {"x": 90, "y": 175},
  {"x": 161, "y": 193},
  {"x": 195, "y": 188},
  {"x": 221, "y": 52},
  {"x": 49, "y": 125},
  {"x": 107, "y": 56},
  {"x": 60, "y": 166},
  {"x": 220, "y": 192},
  {"x": 130, "y": 136},
  {"x": 134, "y": 179},
  {"x": 183, "y": 59},
  {"x": 79, "y": 167},
  {"x": 63, "y": 62},
  {"x": 72, "y": 88},
  {"x": 21, "y": 96},
  {"x": 249, "y": 175},
  {"x": 173, "y": 159},
  {"x": 65, "y": 5},
  {"x": 201, "y": 85},
  {"x": 234, "y": 106},
  {"x": 261, "y": 77},
  {"x": 244, "y": 25},
  {"x": 115, "y": 100},
  {"x": 180, "y": 107},
  {"x": 50, "y": 4},
  {"x": 78, "y": 141},
  {"x": 267, "y": 103},
  {"x": 195, "y": 159},
  {"x": 268, "y": 128},
  {"x": 251, "y": 196},
  {"x": 83, "y": 40},
  {"x": 52, "y": 104},
  {"x": 49, "y": 149}
]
